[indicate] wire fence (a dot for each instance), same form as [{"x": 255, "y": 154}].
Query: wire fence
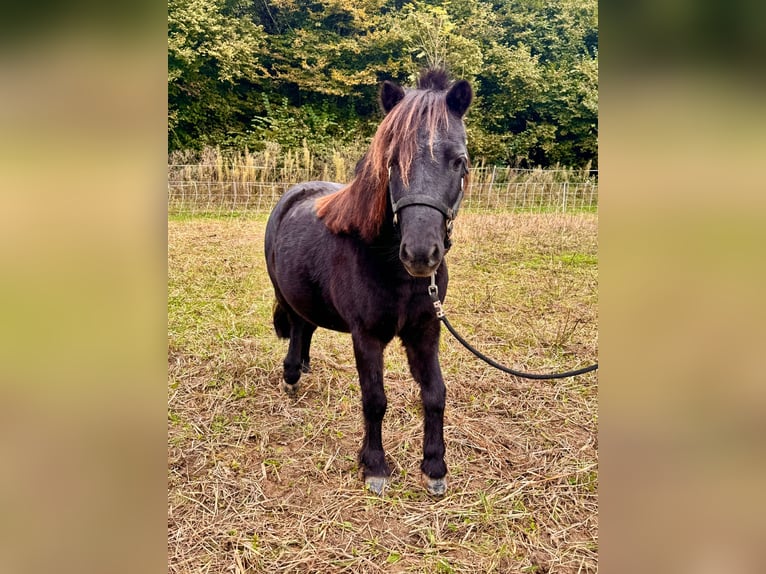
[{"x": 207, "y": 190}]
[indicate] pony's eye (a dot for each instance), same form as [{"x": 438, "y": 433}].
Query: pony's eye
[{"x": 458, "y": 164}]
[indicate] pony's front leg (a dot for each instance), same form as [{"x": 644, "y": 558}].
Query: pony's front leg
[
  {"x": 368, "y": 353},
  {"x": 423, "y": 356}
]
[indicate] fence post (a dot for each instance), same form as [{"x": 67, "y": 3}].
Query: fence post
[
  {"x": 564, "y": 202},
  {"x": 491, "y": 184}
]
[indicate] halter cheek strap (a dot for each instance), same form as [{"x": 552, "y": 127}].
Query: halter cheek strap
[{"x": 421, "y": 199}]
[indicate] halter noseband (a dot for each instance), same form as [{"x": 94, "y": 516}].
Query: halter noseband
[{"x": 421, "y": 199}]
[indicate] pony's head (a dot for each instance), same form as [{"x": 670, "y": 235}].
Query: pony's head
[
  {"x": 417, "y": 163},
  {"x": 428, "y": 164}
]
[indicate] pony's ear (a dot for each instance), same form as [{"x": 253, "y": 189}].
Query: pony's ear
[
  {"x": 390, "y": 95},
  {"x": 459, "y": 97}
]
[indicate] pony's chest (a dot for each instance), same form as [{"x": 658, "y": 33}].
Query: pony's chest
[{"x": 392, "y": 310}]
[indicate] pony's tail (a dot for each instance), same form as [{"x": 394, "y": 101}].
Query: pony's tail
[{"x": 281, "y": 321}]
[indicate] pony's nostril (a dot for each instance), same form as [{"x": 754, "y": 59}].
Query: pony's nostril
[{"x": 405, "y": 253}]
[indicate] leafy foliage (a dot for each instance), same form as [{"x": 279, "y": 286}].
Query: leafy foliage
[{"x": 243, "y": 72}]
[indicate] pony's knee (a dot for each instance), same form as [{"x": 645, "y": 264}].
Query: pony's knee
[
  {"x": 434, "y": 398},
  {"x": 374, "y": 406}
]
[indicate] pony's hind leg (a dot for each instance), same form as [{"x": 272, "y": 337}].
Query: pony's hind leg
[
  {"x": 422, "y": 355},
  {"x": 368, "y": 353},
  {"x": 281, "y": 320},
  {"x": 296, "y": 360},
  {"x": 308, "y": 332}
]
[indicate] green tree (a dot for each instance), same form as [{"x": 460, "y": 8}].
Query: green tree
[
  {"x": 241, "y": 72},
  {"x": 434, "y": 39},
  {"x": 212, "y": 47},
  {"x": 540, "y": 84},
  {"x": 326, "y": 60}
]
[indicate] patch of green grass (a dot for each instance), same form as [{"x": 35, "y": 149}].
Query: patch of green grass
[
  {"x": 530, "y": 210},
  {"x": 393, "y": 558},
  {"x": 577, "y": 259},
  {"x": 218, "y": 215},
  {"x": 219, "y": 424},
  {"x": 588, "y": 481},
  {"x": 540, "y": 261}
]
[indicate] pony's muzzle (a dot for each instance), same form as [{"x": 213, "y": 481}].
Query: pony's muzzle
[{"x": 423, "y": 261}]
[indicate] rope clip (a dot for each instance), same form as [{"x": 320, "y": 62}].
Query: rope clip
[{"x": 433, "y": 292}]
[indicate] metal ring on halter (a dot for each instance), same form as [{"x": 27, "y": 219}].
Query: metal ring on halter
[{"x": 393, "y": 203}]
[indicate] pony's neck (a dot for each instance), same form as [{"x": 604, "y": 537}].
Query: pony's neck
[{"x": 360, "y": 206}]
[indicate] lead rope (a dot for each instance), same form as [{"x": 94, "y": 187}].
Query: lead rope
[{"x": 433, "y": 292}]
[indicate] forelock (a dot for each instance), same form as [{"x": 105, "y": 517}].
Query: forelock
[{"x": 433, "y": 79}]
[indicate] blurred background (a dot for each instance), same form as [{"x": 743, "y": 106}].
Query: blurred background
[
  {"x": 682, "y": 396},
  {"x": 84, "y": 123}
]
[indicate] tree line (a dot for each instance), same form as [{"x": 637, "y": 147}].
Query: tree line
[{"x": 306, "y": 73}]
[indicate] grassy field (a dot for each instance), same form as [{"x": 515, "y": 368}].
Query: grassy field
[{"x": 258, "y": 482}]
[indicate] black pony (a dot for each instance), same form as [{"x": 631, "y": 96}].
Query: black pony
[{"x": 360, "y": 258}]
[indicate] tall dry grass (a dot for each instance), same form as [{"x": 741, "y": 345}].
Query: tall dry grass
[
  {"x": 272, "y": 164},
  {"x": 276, "y": 164}
]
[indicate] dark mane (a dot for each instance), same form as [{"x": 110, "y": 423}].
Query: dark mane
[{"x": 360, "y": 206}]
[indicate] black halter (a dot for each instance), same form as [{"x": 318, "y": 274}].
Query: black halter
[{"x": 421, "y": 199}]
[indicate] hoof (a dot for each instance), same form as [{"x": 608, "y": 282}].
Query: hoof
[
  {"x": 291, "y": 390},
  {"x": 435, "y": 486},
  {"x": 376, "y": 484}
]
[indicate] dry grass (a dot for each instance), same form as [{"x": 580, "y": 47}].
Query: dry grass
[{"x": 258, "y": 482}]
